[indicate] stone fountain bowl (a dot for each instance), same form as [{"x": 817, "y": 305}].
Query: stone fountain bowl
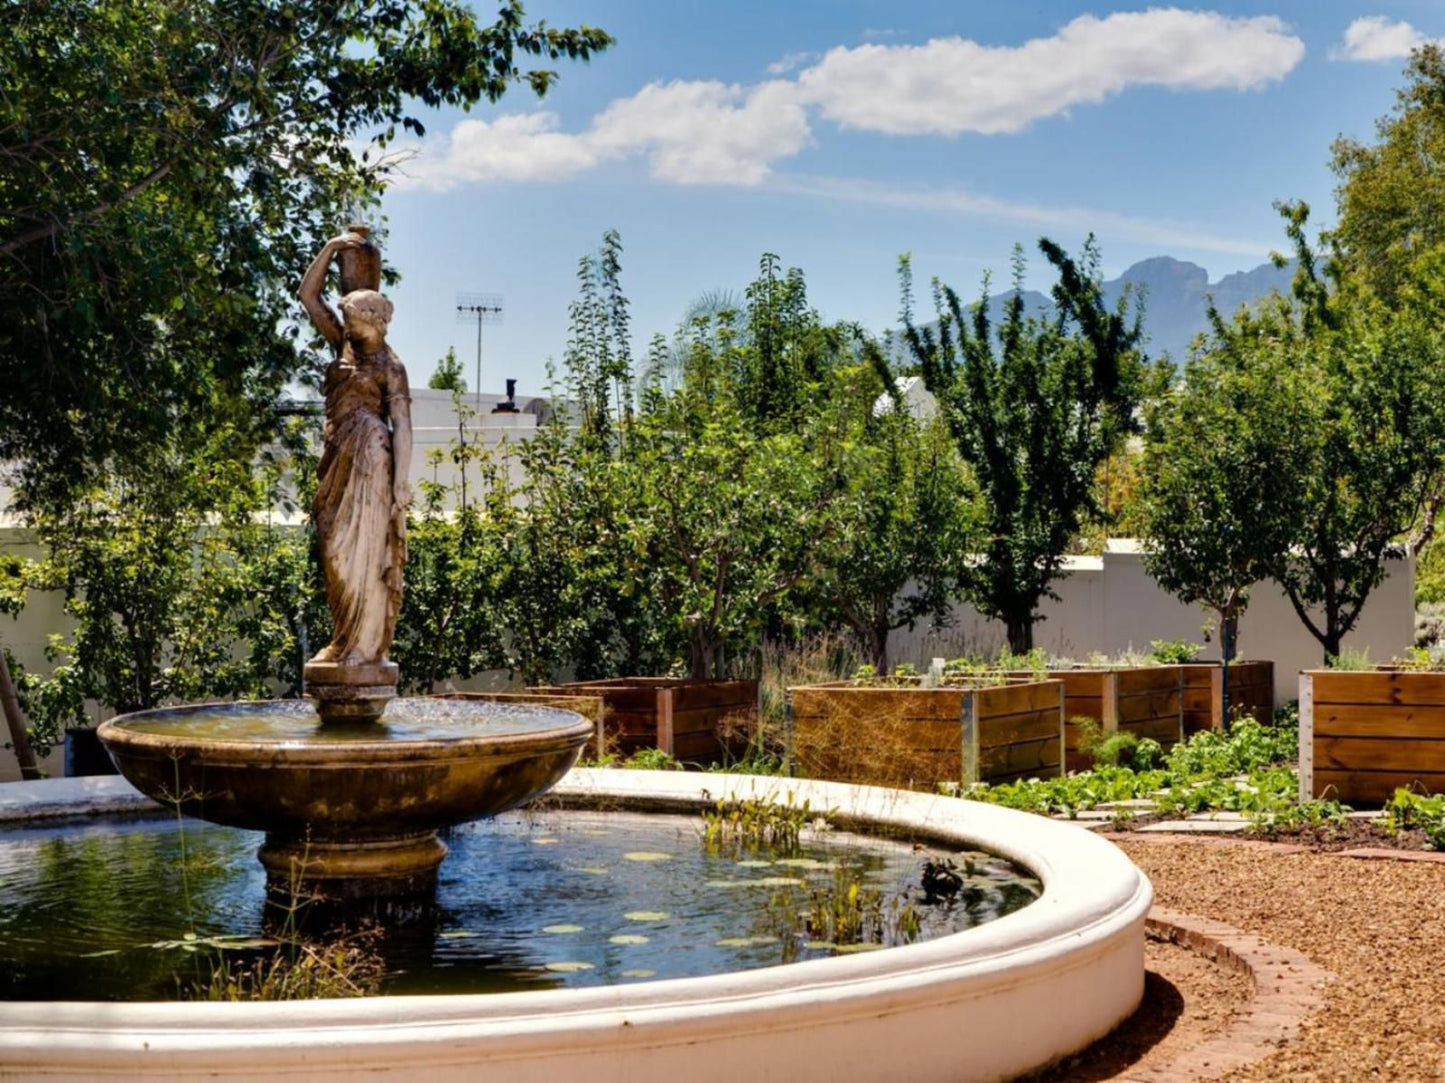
[{"x": 347, "y": 800}]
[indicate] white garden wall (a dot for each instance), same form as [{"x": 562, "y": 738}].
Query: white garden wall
[{"x": 1110, "y": 604}]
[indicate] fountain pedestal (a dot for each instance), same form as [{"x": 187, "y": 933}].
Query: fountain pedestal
[{"x": 346, "y": 691}]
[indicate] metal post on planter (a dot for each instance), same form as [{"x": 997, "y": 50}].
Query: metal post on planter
[
  {"x": 788, "y": 759},
  {"x": 1306, "y": 737},
  {"x": 968, "y": 738}
]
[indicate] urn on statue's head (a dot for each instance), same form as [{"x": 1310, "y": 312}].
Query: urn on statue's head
[{"x": 359, "y": 266}]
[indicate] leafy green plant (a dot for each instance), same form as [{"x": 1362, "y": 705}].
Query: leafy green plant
[
  {"x": 1350, "y": 659},
  {"x": 653, "y": 759},
  {"x": 1173, "y": 651},
  {"x": 756, "y": 822}
]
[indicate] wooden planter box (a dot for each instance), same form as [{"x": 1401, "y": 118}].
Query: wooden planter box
[
  {"x": 1362, "y": 734},
  {"x": 1251, "y": 692},
  {"x": 910, "y": 736},
  {"x": 589, "y": 707},
  {"x": 1147, "y": 701},
  {"x": 698, "y": 721}
]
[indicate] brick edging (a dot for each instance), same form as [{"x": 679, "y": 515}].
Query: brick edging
[{"x": 1288, "y": 988}]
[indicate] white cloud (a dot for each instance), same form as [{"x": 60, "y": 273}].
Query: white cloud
[
  {"x": 705, "y": 132},
  {"x": 709, "y": 132},
  {"x": 790, "y": 62},
  {"x": 517, "y": 147},
  {"x": 952, "y": 85},
  {"x": 1374, "y": 37},
  {"x": 1108, "y": 225}
]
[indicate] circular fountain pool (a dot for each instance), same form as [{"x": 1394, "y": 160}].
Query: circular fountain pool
[
  {"x": 143, "y": 909},
  {"x": 986, "y": 1002}
]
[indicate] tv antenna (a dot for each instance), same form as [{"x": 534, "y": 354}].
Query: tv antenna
[{"x": 479, "y": 308}]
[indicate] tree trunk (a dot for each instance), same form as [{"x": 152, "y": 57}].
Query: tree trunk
[
  {"x": 1228, "y": 636},
  {"x": 19, "y": 726},
  {"x": 1020, "y": 634}
]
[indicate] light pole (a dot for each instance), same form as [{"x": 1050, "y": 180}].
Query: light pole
[{"x": 479, "y": 308}]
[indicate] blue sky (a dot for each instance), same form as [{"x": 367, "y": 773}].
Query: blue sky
[{"x": 839, "y": 133}]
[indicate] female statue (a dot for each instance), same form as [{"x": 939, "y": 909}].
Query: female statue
[{"x": 362, "y": 492}]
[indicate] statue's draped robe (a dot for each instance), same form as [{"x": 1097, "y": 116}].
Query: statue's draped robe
[{"x": 363, "y": 546}]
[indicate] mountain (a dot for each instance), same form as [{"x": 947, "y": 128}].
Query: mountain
[{"x": 1176, "y": 298}]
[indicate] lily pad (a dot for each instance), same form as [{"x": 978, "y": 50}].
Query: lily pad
[
  {"x": 567, "y": 968},
  {"x": 593, "y": 870},
  {"x": 639, "y": 973},
  {"x": 745, "y": 941},
  {"x": 647, "y": 855},
  {"x": 562, "y": 929},
  {"x": 853, "y": 949},
  {"x": 545, "y": 841},
  {"x": 627, "y": 938},
  {"x": 456, "y": 934},
  {"x": 778, "y": 881},
  {"x": 806, "y": 863},
  {"x": 755, "y": 864},
  {"x": 820, "y": 945},
  {"x": 647, "y": 915}
]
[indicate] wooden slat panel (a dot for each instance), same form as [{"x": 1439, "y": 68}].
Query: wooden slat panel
[
  {"x": 1364, "y": 788},
  {"x": 1032, "y": 756},
  {"x": 1378, "y": 754},
  {"x": 1013, "y": 729},
  {"x": 1355, "y": 720},
  {"x": 709, "y": 719},
  {"x": 1414, "y": 689},
  {"x": 1163, "y": 730},
  {"x": 1016, "y": 698},
  {"x": 697, "y": 747},
  {"x": 733, "y": 694},
  {"x": 1147, "y": 679},
  {"x": 1142, "y": 708},
  {"x": 882, "y": 703},
  {"x": 1080, "y": 682}
]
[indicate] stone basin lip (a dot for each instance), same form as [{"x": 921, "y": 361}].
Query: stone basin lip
[
  {"x": 571, "y": 731},
  {"x": 987, "y": 1003}
]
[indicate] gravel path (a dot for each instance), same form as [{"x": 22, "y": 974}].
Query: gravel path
[{"x": 1378, "y": 925}]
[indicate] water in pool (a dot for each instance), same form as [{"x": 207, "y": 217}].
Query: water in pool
[{"x": 136, "y": 909}]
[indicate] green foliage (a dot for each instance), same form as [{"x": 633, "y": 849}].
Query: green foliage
[
  {"x": 652, "y": 759},
  {"x": 755, "y": 822},
  {"x": 1248, "y": 771},
  {"x": 1350, "y": 659},
  {"x": 1125, "y": 750},
  {"x": 1035, "y": 407},
  {"x": 448, "y": 374},
  {"x": 1410, "y": 810},
  {"x": 1170, "y": 652},
  {"x": 178, "y": 587},
  {"x": 1210, "y": 508},
  {"x": 1390, "y": 191},
  {"x": 1372, "y": 433},
  {"x": 169, "y": 170}
]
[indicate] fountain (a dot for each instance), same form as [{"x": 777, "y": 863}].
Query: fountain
[
  {"x": 352, "y": 784},
  {"x": 351, "y": 787}
]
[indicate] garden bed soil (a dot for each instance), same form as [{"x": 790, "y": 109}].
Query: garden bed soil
[{"x": 1374, "y": 924}]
